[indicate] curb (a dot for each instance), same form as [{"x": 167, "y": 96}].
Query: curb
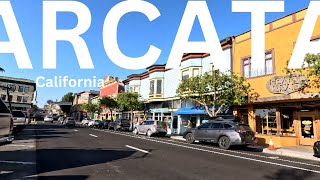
[{"x": 292, "y": 154}]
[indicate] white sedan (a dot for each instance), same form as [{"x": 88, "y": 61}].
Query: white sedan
[{"x": 48, "y": 119}]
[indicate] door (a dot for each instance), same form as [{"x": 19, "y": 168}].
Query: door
[
  {"x": 215, "y": 131},
  {"x": 307, "y": 130},
  {"x": 201, "y": 133}
]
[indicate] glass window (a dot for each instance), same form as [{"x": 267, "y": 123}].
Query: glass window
[
  {"x": 19, "y": 99},
  {"x": 287, "y": 127},
  {"x": 216, "y": 125},
  {"x": 151, "y": 87},
  {"x": 17, "y": 114},
  {"x": 196, "y": 72},
  {"x": 185, "y": 74},
  {"x": 25, "y": 99},
  {"x": 20, "y": 89},
  {"x": 205, "y": 126},
  {"x": 266, "y": 121},
  {"x": 3, "y": 108},
  {"x": 227, "y": 126},
  {"x": 159, "y": 86},
  {"x": 248, "y": 71},
  {"x": 26, "y": 89},
  {"x": 3, "y": 97},
  {"x": 269, "y": 63}
]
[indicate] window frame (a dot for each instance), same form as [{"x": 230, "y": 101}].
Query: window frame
[
  {"x": 155, "y": 87},
  {"x": 265, "y": 63}
]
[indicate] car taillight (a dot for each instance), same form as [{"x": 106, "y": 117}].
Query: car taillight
[{"x": 11, "y": 123}]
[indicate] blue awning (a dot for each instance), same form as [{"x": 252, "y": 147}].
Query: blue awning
[
  {"x": 200, "y": 110},
  {"x": 190, "y": 110}
]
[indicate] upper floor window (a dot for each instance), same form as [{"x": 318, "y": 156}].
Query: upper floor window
[
  {"x": 248, "y": 71},
  {"x": 24, "y": 89},
  {"x": 135, "y": 89},
  {"x": 156, "y": 86},
  {"x": 185, "y": 74}
]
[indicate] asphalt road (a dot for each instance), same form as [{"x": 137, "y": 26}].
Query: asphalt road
[{"x": 81, "y": 153}]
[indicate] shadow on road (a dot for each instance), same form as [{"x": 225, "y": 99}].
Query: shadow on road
[
  {"x": 290, "y": 174},
  {"x": 41, "y": 131},
  {"x": 66, "y": 177},
  {"x": 48, "y": 160}
]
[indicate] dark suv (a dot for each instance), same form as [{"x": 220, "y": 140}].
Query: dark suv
[
  {"x": 120, "y": 124},
  {"x": 223, "y": 132}
]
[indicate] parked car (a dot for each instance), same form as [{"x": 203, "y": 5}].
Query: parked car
[
  {"x": 60, "y": 120},
  {"x": 19, "y": 120},
  {"x": 48, "y": 118},
  {"x": 104, "y": 124},
  {"x": 69, "y": 122},
  {"x": 85, "y": 122},
  {"x": 55, "y": 117},
  {"x": 151, "y": 127},
  {"x": 316, "y": 149},
  {"x": 224, "y": 132},
  {"x": 120, "y": 124},
  {"x": 6, "y": 124},
  {"x": 93, "y": 123}
]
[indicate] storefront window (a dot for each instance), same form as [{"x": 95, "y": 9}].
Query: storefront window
[
  {"x": 287, "y": 128},
  {"x": 266, "y": 121}
]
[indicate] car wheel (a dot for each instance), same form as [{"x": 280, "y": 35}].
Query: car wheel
[
  {"x": 190, "y": 138},
  {"x": 149, "y": 133},
  {"x": 224, "y": 142}
]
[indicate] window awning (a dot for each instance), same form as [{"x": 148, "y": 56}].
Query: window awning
[
  {"x": 190, "y": 110},
  {"x": 200, "y": 110}
]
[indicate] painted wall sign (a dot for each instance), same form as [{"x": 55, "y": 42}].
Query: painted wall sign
[{"x": 286, "y": 84}]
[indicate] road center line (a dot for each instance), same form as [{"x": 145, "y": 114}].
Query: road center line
[
  {"x": 18, "y": 162},
  {"x": 75, "y": 130},
  {"x": 141, "y": 150},
  {"x": 93, "y": 135}
]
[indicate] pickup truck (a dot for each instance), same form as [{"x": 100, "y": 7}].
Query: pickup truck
[{"x": 6, "y": 124}]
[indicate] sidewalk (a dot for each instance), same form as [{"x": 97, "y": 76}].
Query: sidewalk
[{"x": 301, "y": 152}]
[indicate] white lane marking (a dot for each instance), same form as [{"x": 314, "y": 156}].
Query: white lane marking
[
  {"x": 230, "y": 155},
  {"x": 93, "y": 135},
  {"x": 18, "y": 162},
  {"x": 6, "y": 172},
  {"x": 273, "y": 157},
  {"x": 141, "y": 150},
  {"x": 76, "y": 130}
]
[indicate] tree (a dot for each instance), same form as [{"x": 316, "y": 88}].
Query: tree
[
  {"x": 49, "y": 101},
  {"x": 67, "y": 97},
  {"x": 216, "y": 91},
  {"x": 34, "y": 108},
  {"x": 1, "y": 69},
  {"x": 310, "y": 68},
  {"x": 90, "y": 108},
  {"x": 130, "y": 101},
  {"x": 109, "y": 103}
]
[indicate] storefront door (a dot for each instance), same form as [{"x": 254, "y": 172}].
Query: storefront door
[{"x": 307, "y": 129}]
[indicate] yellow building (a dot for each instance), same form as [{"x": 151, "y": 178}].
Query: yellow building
[{"x": 291, "y": 117}]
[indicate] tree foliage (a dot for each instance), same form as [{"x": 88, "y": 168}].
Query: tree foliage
[
  {"x": 67, "y": 97},
  {"x": 49, "y": 101},
  {"x": 108, "y": 103},
  {"x": 90, "y": 107},
  {"x": 310, "y": 68},
  {"x": 1, "y": 69},
  {"x": 216, "y": 90},
  {"x": 129, "y": 100}
]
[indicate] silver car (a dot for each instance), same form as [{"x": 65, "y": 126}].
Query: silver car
[
  {"x": 6, "y": 124},
  {"x": 225, "y": 133},
  {"x": 19, "y": 119},
  {"x": 151, "y": 127}
]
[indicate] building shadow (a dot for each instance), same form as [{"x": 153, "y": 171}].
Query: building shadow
[{"x": 49, "y": 160}]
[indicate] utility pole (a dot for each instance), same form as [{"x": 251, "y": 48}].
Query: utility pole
[{"x": 9, "y": 99}]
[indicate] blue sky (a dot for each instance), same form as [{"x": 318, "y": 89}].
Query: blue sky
[{"x": 135, "y": 34}]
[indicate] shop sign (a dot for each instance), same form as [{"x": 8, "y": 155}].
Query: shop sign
[
  {"x": 159, "y": 110},
  {"x": 286, "y": 84}
]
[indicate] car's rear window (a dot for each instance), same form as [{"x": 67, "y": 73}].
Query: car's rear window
[
  {"x": 3, "y": 108},
  {"x": 17, "y": 114},
  {"x": 244, "y": 127}
]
